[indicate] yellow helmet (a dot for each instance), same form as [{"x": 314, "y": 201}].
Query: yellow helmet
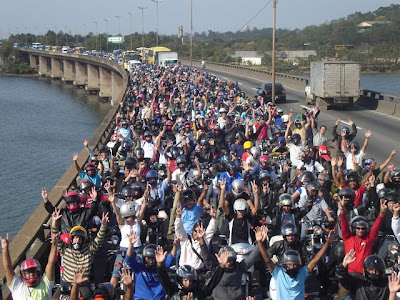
[
  {"x": 77, "y": 231},
  {"x": 247, "y": 145}
]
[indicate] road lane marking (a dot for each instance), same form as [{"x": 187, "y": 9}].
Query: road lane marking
[
  {"x": 255, "y": 89},
  {"x": 379, "y": 113}
]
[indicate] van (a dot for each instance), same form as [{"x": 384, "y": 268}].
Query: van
[{"x": 66, "y": 49}]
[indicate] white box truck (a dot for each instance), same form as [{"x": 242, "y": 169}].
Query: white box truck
[
  {"x": 333, "y": 84},
  {"x": 167, "y": 58}
]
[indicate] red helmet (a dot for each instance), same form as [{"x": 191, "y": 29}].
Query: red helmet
[
  {"x": 264, "y": 158},
  {"x": 27, "y": 265},
  {"x": 86, "y": 184}
]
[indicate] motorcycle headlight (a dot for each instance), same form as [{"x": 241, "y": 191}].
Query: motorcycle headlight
[{"x": 317, "y": 230}]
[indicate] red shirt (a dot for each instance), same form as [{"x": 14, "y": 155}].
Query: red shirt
[
  {"x": 362, "y": 246},
  {"x": 263, "y": 135},
  {"x": 358, "y": 194}
]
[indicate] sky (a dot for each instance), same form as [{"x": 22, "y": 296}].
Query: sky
[{"x": 22, "y": 16}]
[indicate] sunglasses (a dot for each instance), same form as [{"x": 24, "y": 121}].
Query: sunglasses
[{"x": 360, "y": 228}]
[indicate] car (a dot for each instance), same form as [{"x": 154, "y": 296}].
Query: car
[{"x": 265, "y": 91}]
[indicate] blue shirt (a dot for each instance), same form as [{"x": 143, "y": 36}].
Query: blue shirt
[
  {"x": 147, "y": 285},
  {"x": 290, "y": 288},
  {"x": 96, "y": 179},
  {"x": 191, "y": 216},
  {"x": 161, "y": 188},
  {"x": 229, "y": 179}
]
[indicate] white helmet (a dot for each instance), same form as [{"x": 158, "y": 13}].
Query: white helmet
[
  {"x": 128, "y": 209},
  {"x": 240, "y": 204},
  {"x": 223, "y": 110}
]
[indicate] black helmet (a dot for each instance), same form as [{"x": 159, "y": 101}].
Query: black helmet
[
  {"x": 394, "y": 173},
  {"x": 291, "y": 257},
  {"x": 147, "y": 133},
  {"x": 355, "y": 144},
  {"x": 149, "y": 251},
  {"x": 186, "y": 272},
  {"x": 203, "y": 141},
  {"x": 139, "y": 152},
  {"x": 339, "y": 251},
  {"x": 86, "y": 184},
  {"x": 392, "y": 196},
  {"x": 130, "y": 162},
  {"x": 136, "y": 187},
  {"x": 107, "y": 290},
  {"x": 231, "y": 166},
  {"x": 127, "y": 192},
  {"x": 288, "y": 229},
  {"x": 188, "y": 195},
  {"x": 353, "y": 176},
  {"x": 256, "y": 104},
  {"x": 175, "y": 152},
  {"x": 346, "y": 192},
  {"x": 296, "y": 136},
  {"x": 180, "y": 160},
  {"x": 345, "y": 129},
  {"x": 239, "y": 135},
  {"x": 374, "y": 262},
  {"x": 264, "y": 175},
  {"x": 307, "y": 176},
  {"x": 382, "y": 192},
  {"x": 359, "y": 221}
]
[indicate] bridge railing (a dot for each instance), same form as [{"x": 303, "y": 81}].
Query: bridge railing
[
  {"x": 30, "y": 240},
  {"x": 379, "y": 96}
]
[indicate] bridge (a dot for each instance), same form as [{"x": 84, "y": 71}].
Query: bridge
[{"x": 110, "y": 81}]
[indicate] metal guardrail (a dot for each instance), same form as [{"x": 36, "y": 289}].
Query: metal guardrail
[
  {"x": 30, "y": 240},
  {"x": 379, "y": 96}
]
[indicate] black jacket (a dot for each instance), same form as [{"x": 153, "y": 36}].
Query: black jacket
[{"x": 360, "y": 287}]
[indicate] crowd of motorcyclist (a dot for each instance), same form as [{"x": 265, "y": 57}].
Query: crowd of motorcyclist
[{"x": 205, "y": 193}]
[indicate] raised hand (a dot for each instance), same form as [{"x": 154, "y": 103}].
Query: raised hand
[
  {"x": 396, "y": 210},
  {"x": 133, "y": 238},
  {"x": 341, "y": 205},
  {"x": 223, "y": 257},
  {"x": 107, "y": 186},
  {"x": 384, "y": 206},
  {"x": 79, "y": 276},
  {"x": 85, "y": 143},
  {"x": 104, "y": 219},
  {"x": 350, "y": 122},
  {"x": 222, "y": 184},
  {"x": 126, "y": 278},
  {"x": 390, "y": 167},
  {"x": 160, "y": 254},
  {"x": 213, "y": 213},
  {"x": 368, "y": 133},
  {"x": 393, "y": 153},
  {"x": 254, "y": 187},
  {"x": 179, "y": 188},
  {"x": 4, "y": 241},
  {"x": 259, "y": 234},
  {"x": 349, "y": 258},
  {"x": 340, "y": 162},
  {"x": 394, "y": 283},
  {"x": 337, "y": 122},
  {"x": 93, "y": 193},
  {"x": 45, "y": 195},
  {"x": 55, "y": 216},
  {"x": 75, "y": 156},
  {"x": 176, "y": 241},
  {"x": 179, "y": 211},
  {"x": 189, "y": 296},
  {"x": 200, "y": 231}
]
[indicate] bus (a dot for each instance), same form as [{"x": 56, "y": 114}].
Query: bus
[
  {"x": 153, "y": 54},
  {"x": 79, "y": 50},
  {"x": 130, "y": 55},
  {"x": 38, "y": 46}
]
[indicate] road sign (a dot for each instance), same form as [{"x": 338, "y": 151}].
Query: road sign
[{"x": 116, "y": 39}]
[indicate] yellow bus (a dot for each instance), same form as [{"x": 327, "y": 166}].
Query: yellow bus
[
  {"x": 130, "y": 55},
  {"x": 79, "y": 50},
  {"x": 153, "y": 54}
]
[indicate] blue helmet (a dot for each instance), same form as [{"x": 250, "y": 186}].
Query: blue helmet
[{"x": 152, "y": 176}]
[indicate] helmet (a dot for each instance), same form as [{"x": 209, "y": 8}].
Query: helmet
[
  {"x": 312, "y": 186},
  {"x": 307, "y": 176},
  {"x": 186, "y": 272},
  {"x": 285, "y": 199},
  {"x": 279, "y": 110},
  {"x": 147, "y": 133},
  {"x": 240, "y": 205},
  {"x": 127, "y": 192},
  {"x": 288, "y": 229},
  {"x": 149, "y": 251},
  {"x": 239, "y": 135},
  {"x": 345, "y": 129},
  {"x": 296, "y": 136},
  {"x": 358, "y": 221},
  {"x": 139, "y": 152},
  {"x": 382, "y": 192},
  {"x": 346, "y": 192},
  {"x": 231, "y": 253},
  {"x": 151, "y": 174},
  {"x": 281, "y": 139},
  {"x": 392, "y": 196},
  {"x": 255, "y": 104},
  {"x": 136, "y": 187},
  {"x": 180, "y": 160},
  {"x": 231, "y": 166},
  {"x": 174, "y": 152},
  {"x": 290, "y": 257},
  {"x": 189, "y": 195},
  {"x": 247, "y": 145},
  {"x": 130, "y": 161},
  {"x": 203, "y": 141},
  {"x": 339, "y": 251},
  {"x": 30, "y": 264},
  {"x": 255, "y": 151},
  {"x": 107, "y": 290},
  {"x": 297, "y": 122},
  {"x": 90, "y": 166},
  {"x": 264, "y": 175},
  {"x": 374, "y": 262},
  {"x": 128, "y": 209},
  {"x": 264, "y": 158},
  {"x": 237, "y": 184},
  {"x": 72, "y": 197},
  {"x": 223, "y": 110},
  {"x": 355, "y": 144},
  {"x": 77, "y": 231},
  {"x": 353, "y": 176},
  {"x": 394, "y": 173},
  {"x": 86, "y": 184},
  {"x": 367, "y": 163}
]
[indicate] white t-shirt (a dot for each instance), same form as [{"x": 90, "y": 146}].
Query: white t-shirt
[
  {"x": 349, "y": 159},
  {"x": 126, "y": 231},
  {"x": 312, "y": 167},
  {"x": 148, "y": 149},
  {"x": 179, "y": 176},
  {"x": 295, "y": 154},
  {"x": 20, "y": 291}
]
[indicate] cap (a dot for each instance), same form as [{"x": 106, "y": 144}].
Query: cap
[{"x": 323, "y": 151}]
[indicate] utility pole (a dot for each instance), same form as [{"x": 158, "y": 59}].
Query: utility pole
[
  {"x": 119, "y": 29},
  {"x": 106, "y": 20},
  {"x": 142, "y": 8},
  {"x": 131, "y": 13},
  {"x": 157, "y": 2},
  {"x": 191, "y": 33},
  {"x": 84, "y": 26},
  {"x": 273, "y": 50},
  {"x": 96, "y": 34}
]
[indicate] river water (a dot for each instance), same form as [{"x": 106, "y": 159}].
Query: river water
[{"x": 42, "y": 123}]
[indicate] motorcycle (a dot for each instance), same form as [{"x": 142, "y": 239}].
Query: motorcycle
[{"x": 242, "y": 251}]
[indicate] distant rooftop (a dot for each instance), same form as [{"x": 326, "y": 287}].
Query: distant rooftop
[{"x": 368, "y": 24}]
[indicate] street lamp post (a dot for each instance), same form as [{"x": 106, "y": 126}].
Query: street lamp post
[
  {"x": 119, "y": 29},
  {"x": 96, "y": 34},
  {"x": 273, "y": 50},
  {"x": 84, "y": 26},
  {"x": 142, "y": 8},
  {"x": 131, "y": 13},
  {"x": 157, "y": 2},
  {"x": 191, "y": 33},
  {"x": 106, "y": 20}
]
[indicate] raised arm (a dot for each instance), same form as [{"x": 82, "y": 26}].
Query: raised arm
[
  {"x": 75, "y": 159},
  {"x": 387, "y": 161},
  {"x": 261, "y": 236},
  {"x": 311, "y": 265},
  {"x": 50, "y": 267},
  {"x": 7, "y": 264},
  {"x": 367, "y": 136},
  {"x": 254, "y": 207},
  {"x": 222, "y": 203},
  {"x": 140, "y": 215}
]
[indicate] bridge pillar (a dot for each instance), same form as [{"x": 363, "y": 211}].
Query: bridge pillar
[
  {"x": 43, "y": 68},
  {"x": 93, "y": 83},
  {"x": 105, "y": 83},
  {"x": 80, "y": 74},
  {"x": 116, "y": 86},
  {"x": 56, "y": 68},
  {"x": 32, "y": 61},
  {"x": 68, "y": 75}
]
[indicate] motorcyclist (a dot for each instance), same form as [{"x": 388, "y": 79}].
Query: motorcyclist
[
  {"x": 230, "y": 175},
  {"x": 344, "y": 135},
  {"x": 287, "y": 214}
]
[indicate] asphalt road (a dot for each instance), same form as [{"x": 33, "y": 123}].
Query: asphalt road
[{"x": 385, "y": 129}]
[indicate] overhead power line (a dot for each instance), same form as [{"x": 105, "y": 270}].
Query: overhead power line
[{"x": 255, "y": 15}]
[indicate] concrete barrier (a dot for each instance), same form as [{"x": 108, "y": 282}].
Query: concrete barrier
[
  {"x": 30, "y": 240},
  {"x": 381, "y": 102}
]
